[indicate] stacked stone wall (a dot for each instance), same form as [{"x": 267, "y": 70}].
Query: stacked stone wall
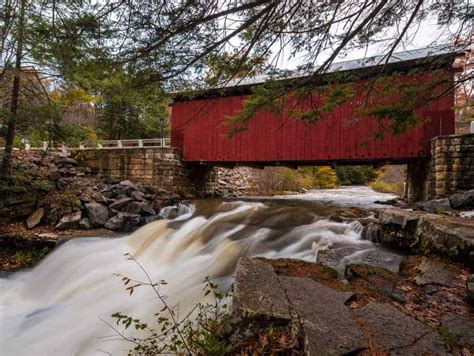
[
  {"x": 163, "y": 168},
  {"x": 451, "y": 165},
  {"x": 160, "y": 167}
]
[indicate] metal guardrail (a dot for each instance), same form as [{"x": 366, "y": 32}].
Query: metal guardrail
[{"x": 106, "y": 144}]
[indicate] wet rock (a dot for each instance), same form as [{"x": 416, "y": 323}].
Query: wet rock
[
  {"x": 462, "y": 200},
  {"x": 137, "y": 195},
  {"x": 378, "y": 257},
  {"x": 149, "y": 219},
  {"x": 434, "y": 206},
  {"x": 461, "y": 327},
  {"x": 70, "y": 221},
  {"x": 134, "y": 207},
  {"x": 258, "y": 293},
  {"x": 327, "y": 323},
  {"x": 147, "y": 209},
  {"x": 35, "y": 218},
  {"x": 391, "y": 331},
  {"x": 387, "y": 202},
  {"x": 118, "y": 191},
  {"x": 128, "y": 186},
  {"x": 85, "y": 224},
  {"x": 63, "y": 161},
  {"x": 351, "y": 213},
  {"x": 97, "y": 213},
  {"x": 438, "y": 273},
  {"x": 123, "y": 222},
  {"x": 448, "y": 238},
  {"x": 402, "y": 218},
  {"x": 120, "y": 204},
  {"x": 417, "y": 231},
  {"x": 376, "y": 279}
]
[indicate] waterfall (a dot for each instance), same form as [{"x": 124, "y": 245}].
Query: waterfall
[{"x": 59, "y": 307}]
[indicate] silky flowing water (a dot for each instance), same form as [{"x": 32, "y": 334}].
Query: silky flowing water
[{"x": 59, "y": 307}]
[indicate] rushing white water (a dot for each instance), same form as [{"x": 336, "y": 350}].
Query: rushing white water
[{"x": 59, "y": 307}]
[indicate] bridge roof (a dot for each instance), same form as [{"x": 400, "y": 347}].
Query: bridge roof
[{"x": 432, "y": 57}]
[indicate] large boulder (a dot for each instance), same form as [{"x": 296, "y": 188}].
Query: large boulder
[
  {"x": 120, "y": 204},
  {"x": 462, "y": 200},
  {"x": 35, "y": 218},
  {"x": 97, "y": 213},
  {"x": 134, "y": 207},
  {"x": 70, "y": 221},
  {"x": 434, "y": 206},
  {"x": 123, "y": 222}
]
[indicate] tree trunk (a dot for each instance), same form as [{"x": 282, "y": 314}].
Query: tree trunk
[{"x": 7, "y": 153}]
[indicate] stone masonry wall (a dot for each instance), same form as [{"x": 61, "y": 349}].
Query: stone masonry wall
[
  {"x": 160, "y": 167},
  {"x": 452, "y": 165},
  {"x": 163, "y": 168}
]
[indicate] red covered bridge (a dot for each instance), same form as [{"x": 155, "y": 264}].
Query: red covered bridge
[{"x": 341, "y": 136}]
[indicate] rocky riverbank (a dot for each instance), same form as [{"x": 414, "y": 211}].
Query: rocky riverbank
[
  {"x": 422, "y": 309},
  {"x": 51, "y": 198}
]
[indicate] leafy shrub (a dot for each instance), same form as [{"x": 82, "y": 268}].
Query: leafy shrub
[
  {"x": 276, "y": 180},
  {"x": 202, "y": 331},
  {"x": 355, "y": 175}
]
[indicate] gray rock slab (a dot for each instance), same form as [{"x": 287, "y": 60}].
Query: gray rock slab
[
  {"x": 460, "y": 326},
  {"x": 328, "y": 326},
  {"x": 257, "y": 291},
  {"x": 431, "y": 271},
  {"x": 393, "y": 332}
]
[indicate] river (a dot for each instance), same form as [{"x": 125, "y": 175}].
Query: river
[{"x": 61, "y": 306}]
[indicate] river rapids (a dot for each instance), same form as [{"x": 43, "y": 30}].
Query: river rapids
[{"x": 62, "y": 306}]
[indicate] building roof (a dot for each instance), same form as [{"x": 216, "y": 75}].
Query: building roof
[{"x": 363, "y": 67}]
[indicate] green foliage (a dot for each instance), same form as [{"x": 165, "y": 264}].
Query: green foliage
[
  {"x": 355, "y": 175},
  {"x": 27, "y": 259},
  {"x": 202, "y": 331}
]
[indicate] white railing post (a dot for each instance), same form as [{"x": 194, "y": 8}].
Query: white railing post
[
  {"x": 27, "y": 146},
  {"x": 140, "y": 143},
  {"x": 64, "y": 149},
  {"x": 81, "y": 146},
  {"x": 472, "y": 127},
  {"x": 99, "y": 146},
  {"x": 119, "y": 144},
  {"x": 45, "y": 146}
]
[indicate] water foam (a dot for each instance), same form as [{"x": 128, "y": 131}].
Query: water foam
[{"x": 56, "y": 308}]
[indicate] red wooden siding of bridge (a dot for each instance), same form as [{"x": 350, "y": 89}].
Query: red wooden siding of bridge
[{"x": 197, "y": 128}]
